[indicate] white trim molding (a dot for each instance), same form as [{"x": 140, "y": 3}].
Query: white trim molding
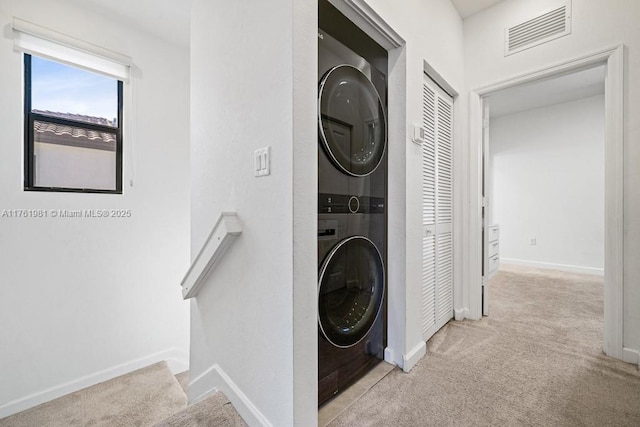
[
  {"x": 554, "y": 266},
  {"x": 224, "y": 232},
  {"x": 476, "y": 107},
  {"x": 177, "y": 360},
  {"x": 631, "y": 356},
  {"x": 200, "y": 389},
  {"x": 613, "y": 59},
  {"x": 389, "y": 356},
  {"x": 370, "y": 22},
  {"x": 430, "y": 71},
  {"x": 460, "y": 314},
  {"x": 410, "y": 359}
]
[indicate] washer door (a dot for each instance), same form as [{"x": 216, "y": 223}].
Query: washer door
[
  {"x": 351, "y": 120},
  {"x": 350, "y": 291}
]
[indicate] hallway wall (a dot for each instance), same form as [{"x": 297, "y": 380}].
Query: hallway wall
[
  {"x": 433, "y": 33},
  {"x": 253, "y": 322}
]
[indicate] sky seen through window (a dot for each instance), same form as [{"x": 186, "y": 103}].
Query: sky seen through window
[{"x": 63, "y": 89}]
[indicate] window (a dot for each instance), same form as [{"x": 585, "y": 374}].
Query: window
[{"x": 73, "y": 128}]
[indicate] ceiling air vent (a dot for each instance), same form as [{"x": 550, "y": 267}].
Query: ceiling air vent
[{"x": 541, "y": 29}]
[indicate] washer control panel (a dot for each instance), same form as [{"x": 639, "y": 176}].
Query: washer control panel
[{"x": 341, "y": 204}]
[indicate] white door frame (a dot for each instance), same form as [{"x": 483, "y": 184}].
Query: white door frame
[{"x": 613, "y": 59}]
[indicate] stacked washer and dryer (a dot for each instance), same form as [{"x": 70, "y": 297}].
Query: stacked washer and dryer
[{"x": 352, "y": 177}]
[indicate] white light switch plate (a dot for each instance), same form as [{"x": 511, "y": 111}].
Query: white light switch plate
[{"x": 262, "y": 161}]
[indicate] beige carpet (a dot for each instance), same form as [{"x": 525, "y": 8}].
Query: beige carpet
[
  {"x": 140, "y": 398},
  {"x": 215, "y": 411},
  {"x": 183, "y": 379},
  {"x": 535, "y": 361}
]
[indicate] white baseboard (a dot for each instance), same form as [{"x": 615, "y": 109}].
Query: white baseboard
[
  {"x": 461, "y": 313},
  {"x": 215, "y": 379},
  {"x": 552, "y": 266},
  {"x": 177, "y": 360},
  {"x": 410, "y": 359},
  {"x": 389, "y": 356},
  {"x": 631, "y": 356}
]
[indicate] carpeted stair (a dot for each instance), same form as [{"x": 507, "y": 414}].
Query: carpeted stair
[
  {"x": 216, "y": 411},
  {"x": 146, "y": 397}
]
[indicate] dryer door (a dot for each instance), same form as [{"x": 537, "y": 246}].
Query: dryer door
[
  {"x": 351, "y": 120},
  {"x": 350, "y": 291}
]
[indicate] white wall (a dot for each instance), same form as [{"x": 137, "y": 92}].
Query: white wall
[
  {"x": 253, "y": 85},
  {"x": 547, "y": 182},
  {"x": 433, "y": 34},
  {"x": 84, "y": 299},
  {"x": 595, "y": 25}
]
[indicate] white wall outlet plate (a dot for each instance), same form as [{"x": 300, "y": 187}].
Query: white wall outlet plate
[{"x": 262, "y": 161}]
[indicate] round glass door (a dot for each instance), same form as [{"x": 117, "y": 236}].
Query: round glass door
[
  {"x": 350, "y": 291},
  {"x": 351, "y": 120}
]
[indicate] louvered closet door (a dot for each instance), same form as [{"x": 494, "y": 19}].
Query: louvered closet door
[{"x": 437, "y": 209}]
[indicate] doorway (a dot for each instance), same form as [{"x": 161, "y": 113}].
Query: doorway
[
  {"x": 612, "y": 60},
  {"x": 544, "y": 176}
]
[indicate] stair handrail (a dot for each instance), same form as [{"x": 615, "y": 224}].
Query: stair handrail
[{"x": 226, "y": 229}]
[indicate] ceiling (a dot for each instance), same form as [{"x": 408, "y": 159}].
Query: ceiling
[
  {"x": 166, "y": 19},
  {"x": 467, "y": 8},
  {"x": 543, "y": 93}
]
